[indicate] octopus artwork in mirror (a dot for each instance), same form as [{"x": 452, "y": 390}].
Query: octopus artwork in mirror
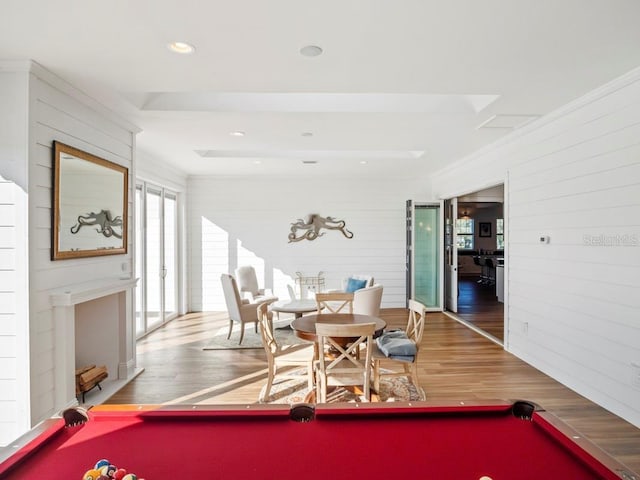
[
  {"x": 103, "y": 221},
  {"x": 311, "y": 229}
]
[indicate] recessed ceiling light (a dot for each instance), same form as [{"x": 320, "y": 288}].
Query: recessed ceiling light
[
  {"x": 311, "y": 51},
  {"x": 307, "y": 134},
  {"x": 181, "y": 47},
  {"x": 363, "y": 162},
  {"x": 237, "y": 133},
  {"x": 257, "y": 162}
]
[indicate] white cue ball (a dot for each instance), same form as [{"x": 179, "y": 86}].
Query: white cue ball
[{"x": 484, "y": 477}]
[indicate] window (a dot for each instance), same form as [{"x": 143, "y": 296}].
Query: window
[
  {"x": 500, "y": 234},
  {"x": 464, "y": 229}
]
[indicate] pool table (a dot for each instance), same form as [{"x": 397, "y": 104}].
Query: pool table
[{"x": 462, "y": 441}]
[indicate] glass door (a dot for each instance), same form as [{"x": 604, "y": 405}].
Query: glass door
[
  {"x": 157, "y": 258},
  {"x": 424, "y": 254},
  {"x": 153, "y": 257},
  {"x": 170, "y": 266},
  {"x": 451, "y": 254}
]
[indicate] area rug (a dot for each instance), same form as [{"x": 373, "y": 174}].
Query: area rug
[
  {"x": 218, "y": 341},
  {"x": 293, "y": 391}
]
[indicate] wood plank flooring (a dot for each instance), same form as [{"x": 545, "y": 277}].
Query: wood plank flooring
[
  {"x": 478, "y": 305},
  {"x": 455, "y": 364}
]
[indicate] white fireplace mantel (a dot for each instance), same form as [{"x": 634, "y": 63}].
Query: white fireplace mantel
[
  {"x": 65, "y": 302},
  {"x": 87, "y": 291}
]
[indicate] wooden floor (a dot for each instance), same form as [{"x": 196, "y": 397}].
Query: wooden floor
[
  {"x": 455, "y": 364},
  {"x": 478, "y": 305}
]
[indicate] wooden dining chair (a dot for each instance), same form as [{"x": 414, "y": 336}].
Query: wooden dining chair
[
  {"x": 414, "y": 331},
  {"x": 341, "y": 361},
  {"x": 334, "y": 302},
  {"x": 299, "y": 355}
]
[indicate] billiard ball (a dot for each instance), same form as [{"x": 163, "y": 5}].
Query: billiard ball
[{"x": 92, "y": 474}]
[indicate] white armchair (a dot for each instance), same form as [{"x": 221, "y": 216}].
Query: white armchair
[
  {"x": 353, "y": 283},
  {"x": 248, "y": 283},
  {"x": 366, "y": 301},
  {"x": 240, "y": 311}
]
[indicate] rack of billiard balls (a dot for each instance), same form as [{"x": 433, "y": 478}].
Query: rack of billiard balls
[{"x": 105, "y": 470}]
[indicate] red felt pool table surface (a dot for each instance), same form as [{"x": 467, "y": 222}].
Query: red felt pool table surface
[{"x": 459, "y": 441}]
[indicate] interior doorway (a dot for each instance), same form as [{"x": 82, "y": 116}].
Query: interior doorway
[{"x": 477, "y": 248}]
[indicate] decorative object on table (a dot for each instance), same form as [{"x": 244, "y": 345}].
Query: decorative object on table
[
  {"x": 103, "y": 220},
  {"x": 282, "y": 355},
  {"x": 484, "y": 229},
  {"x": 312, "y": 228},
  {"x": 85, "y": 183},
  {"x": 401, "y": 347}
]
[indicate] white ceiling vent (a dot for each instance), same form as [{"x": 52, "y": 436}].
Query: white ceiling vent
[
  {"x": 309, "y": 162},
  {"x": 509, "y": 121}
]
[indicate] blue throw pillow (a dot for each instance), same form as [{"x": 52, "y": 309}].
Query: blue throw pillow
[{"x": 354, "y": 284}]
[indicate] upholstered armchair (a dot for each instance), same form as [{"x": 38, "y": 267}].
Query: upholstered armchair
[
  {"x": 240, "y": 311},
  {"x": 366, "y": 301},
  {"x": 354, "y": 282},
  {"x": 248, "y": 283}
]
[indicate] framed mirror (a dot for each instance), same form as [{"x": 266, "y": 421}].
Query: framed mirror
[{"x": 89, "y": 205}]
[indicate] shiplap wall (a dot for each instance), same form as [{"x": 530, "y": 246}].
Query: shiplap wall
[
  {"x": 14, "y": 310},
  {"x": 238, "y": 221},
  {"x": 56, "y": 111},
  {"x": 574, "y": 303}
]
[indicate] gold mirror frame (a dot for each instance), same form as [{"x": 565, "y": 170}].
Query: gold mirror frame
[{"x": 90, "y": 200}]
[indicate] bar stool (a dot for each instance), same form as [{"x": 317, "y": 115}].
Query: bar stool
[{"x": 491, "y": 279}]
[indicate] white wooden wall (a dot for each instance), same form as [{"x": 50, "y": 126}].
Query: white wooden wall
[
  {"x": 14, "y": 310},
  {"x": 574, "y": 303},
  {"x": 53, "y": 110},
  {"x": 238, "y": 221}
]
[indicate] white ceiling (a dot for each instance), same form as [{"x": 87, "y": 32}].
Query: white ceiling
[{"x": 401, "y": 84}]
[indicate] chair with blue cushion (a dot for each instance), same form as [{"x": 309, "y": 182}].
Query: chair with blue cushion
[
  {"x": 356, "y": 282},
  {"x": 353, "y": 283},
  {"x": 407, "y": 346}
]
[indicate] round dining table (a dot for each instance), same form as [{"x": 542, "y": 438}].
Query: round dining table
[
  {"x": 298, "y": 307},
  {"x": 305, "y": 327}
]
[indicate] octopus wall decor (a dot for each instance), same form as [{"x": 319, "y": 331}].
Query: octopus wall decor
[
  {"x": 103, "y": 221},
  {"x": 311, "y": 229}
]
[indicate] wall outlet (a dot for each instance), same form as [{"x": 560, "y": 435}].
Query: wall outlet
[
  {"x": 525, "y": 328},
  {"x": 635, "y": 375}
]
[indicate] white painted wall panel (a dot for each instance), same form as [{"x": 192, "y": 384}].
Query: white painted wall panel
[
  {"x": 57, "y": 114},
  {"x": 14, "y": 310},
  {"x": 38, "y": 108},
  {"x": 236, "y": 221},
  {"x": 573, "y": 304}
]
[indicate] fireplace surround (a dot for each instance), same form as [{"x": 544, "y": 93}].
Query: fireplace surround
[{"x": 94, "y": 324}]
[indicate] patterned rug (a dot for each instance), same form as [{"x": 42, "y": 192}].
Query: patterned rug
[
  {"x": 293, "y": 391},
  {"x": 283, "y": 333}
]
